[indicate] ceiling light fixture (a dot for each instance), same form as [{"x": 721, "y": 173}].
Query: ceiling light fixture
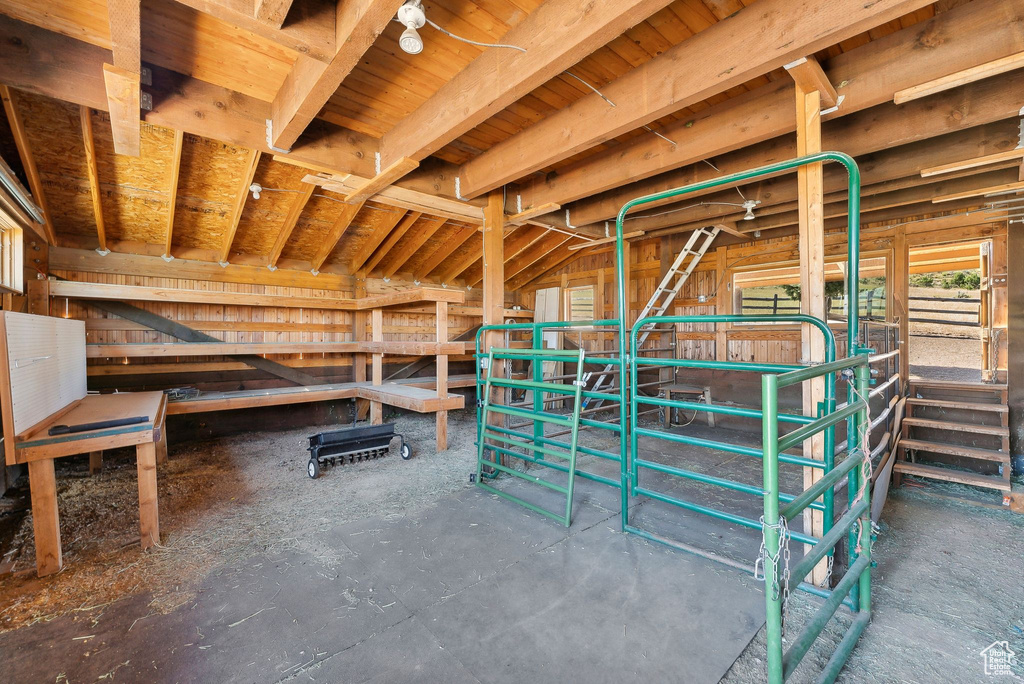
[
  {"x": 255, "y": 189},
  {"x": 411, "y": 15},
  {"x": 749, "y": 206}
]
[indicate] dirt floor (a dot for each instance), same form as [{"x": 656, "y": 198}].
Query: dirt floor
[
  {"x": 945, "y": 352},
  {"x": 944, "y": 587}
]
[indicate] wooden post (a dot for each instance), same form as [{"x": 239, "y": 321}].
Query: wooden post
[
  {"x": 95, "y": 462},
  {"x": 149, "y": 517},
  {"x": 377, "y": 331},
  {"x": 810, "y": 183},
  {"x": 442, "y": 376},
  {"x": 723, "y": 304},
  {"x": 494, "y": 279},
  {"x": 39, "y": 297},
  {"x": 359, "y": 360},
  {"x": 1001, "y": 302},
  {"x": 901, "y": 298},
  {"x": 161, "y": 446},
  {"x": 1012, "y": 303},
  {"x": 43, "y": 489}
]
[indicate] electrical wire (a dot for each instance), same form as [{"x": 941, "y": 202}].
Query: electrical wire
[{"x": 473, "y": 42}]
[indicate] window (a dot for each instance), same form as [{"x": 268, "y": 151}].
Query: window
[
  {"x": 777, "y": 290},
  {"x": 579, "y": 303}
]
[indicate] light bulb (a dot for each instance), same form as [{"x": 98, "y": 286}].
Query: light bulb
[
  {"x": 411, "y": 42},
  {"x": 255, "y": 189}
]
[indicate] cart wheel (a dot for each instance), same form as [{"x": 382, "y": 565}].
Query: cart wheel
[
  {"x": 406, "y": 452},
  {"x": 313, "y": 468}
]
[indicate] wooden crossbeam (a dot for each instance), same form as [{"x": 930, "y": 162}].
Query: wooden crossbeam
[
  {"x": 85, "y": 115},
  {"x": 984, "y": 160},
  {"x": 338, "y": 228},
  {"x": 378, "y": 236},
  {"x": 310, "y": 83},
  {"x": 809, "y": 76},
  {"x": 290, "y": 221},
  {"x": 395, "y": 196},
  {"x": 251, "y": 162},
  {"x": 372, "y": 186},
  {"x": 537, "y": 251},
  {"x": 396, "y": 235},
  {"x": 524, "y": 216},
  {"x": 272, "y": 12},
  {"x": 172, "y": 186},
  {"x": 555, "y": 36},
  {"x": 704, "y": 65},
  {"x": 1006, "y": 188},
  {"x": 28, "y": 162},
  {"x": 971, "y": 34},
  {"x": 399, "y": 257},
  {"x": 445, "y": 250},
  {"x": 962, "y": 77}
]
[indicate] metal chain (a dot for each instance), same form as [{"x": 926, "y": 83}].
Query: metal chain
[{"x": 763, "y": 558}]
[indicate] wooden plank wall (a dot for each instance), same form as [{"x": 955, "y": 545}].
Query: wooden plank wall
[{"x": 237, "y": 324}]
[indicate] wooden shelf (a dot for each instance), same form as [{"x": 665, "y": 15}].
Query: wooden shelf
[
  {"x": 134, "y": 350},
  {"x": 958, "y": 405}
]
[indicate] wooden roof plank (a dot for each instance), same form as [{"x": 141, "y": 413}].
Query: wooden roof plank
[
  {"x": 272, "y": 12},
  {"x": 294, "y": 212},
  {"x": 252, "y": 161},
  {"x": 962, "y": 77},
  {"x": 445, "y": 250},
  {"x": 399, "y": 257},
  {"x": 378, "y": 235},
  {"x": 338, "y": 228},
  {"x": 393, "y": 239},
  {"x": 172, "y": 186},
  {"x": 28, "y": 161}
]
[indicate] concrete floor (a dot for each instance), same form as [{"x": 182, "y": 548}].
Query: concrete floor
[{"x": 470, "y": 589}]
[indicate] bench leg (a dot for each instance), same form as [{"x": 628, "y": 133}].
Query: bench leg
[
  {"x": 376, "y": 413},
  {"x": 442, "y": 431},
  {"x": 45, "y": 520},
  {"x": 161, "y": 447},
  {"x": 149, "y": 517},
  {"x": 707, "y": 400},
  {"x": 95, "y": 462}
]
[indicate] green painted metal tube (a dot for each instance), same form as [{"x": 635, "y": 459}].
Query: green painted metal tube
[
  {"x": 554, "y": 465},
  {"x": 488, "y": 434},
  {"x": 805, "y": 432},
  {"x": 726, "y": 446},
  {"x": 813, "y": 627},
  {"x": 552, "y": 387},
  {"x": 717, "y": 481},
  {"x": 864, "y": 585},
  {"x": 811, "y": 372},
  {"x": 715, "y": 513},
  {"x": 842, "y": 653},
  {"x": 555, "y": 442},
  {"x": 827, "y": 482},
  {"x": 825, "y": 545},
  {"x": 770, "y": 531},
  {"x": 531, "y": 415},
  {"x": 518, "y": 352},
  {"x": 718, "y": 365},
  {"x": 719, "y": 408}
]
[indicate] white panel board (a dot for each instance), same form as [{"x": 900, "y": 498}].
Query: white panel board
[{"x": 46, "y": 362}]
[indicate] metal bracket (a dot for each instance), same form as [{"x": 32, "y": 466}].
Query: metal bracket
[
  {"x": 270, "y": 139},
  {"x": 272, "y": 267},
  {"x": 167, "y": 257},
  {"x": 223, "y": 264},
  {"x": 102, "y": 252},
  {"x": 146, "y": 76},
  {"x": 145, "y": 101},
  {"x": 839, "y": 101}
]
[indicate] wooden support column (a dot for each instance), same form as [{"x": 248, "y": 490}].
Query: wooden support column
[
  {"x": 901, "y": 298},
  {"x": 149, "y": 518},
  {"x": 43, "y": 489},
  {"x": 1012, "y": 303},
  {"x": 1000, "y": 294},
  {"x": 95, "y": 462},
  {"x": 810, "y": 182},
  {"x": 377, "y": 332},
  {"x": 494, "y": 280},
  {"x": 442, "y": 376},
  {"x": 723, "y": 304}
]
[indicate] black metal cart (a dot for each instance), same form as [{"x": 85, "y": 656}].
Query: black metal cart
[{"x": 355, "y": 443}]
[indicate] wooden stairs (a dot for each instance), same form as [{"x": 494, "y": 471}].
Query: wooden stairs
[{"x": 960, "y": 429}]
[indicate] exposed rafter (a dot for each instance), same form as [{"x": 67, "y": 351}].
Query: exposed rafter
[
  {"x": 396, "y": 235},
  {"x": 809, "y": 76},
  {"x": 398, "y": 258},
  {"x": 445, "y": 250},
  {"x": 702, "y": 66},
  {"x": 338, "y": 228},
  {"x": 172, "y": 186},
  {"x": 28, "y": 161},
  {"x": 251, "y": 162},
  {"x": 291, "y": 220},
  {"x": 94, "y": 178},
  {"x": 311, "y": 82},
  {"x": 379, "y": 234},
  {"x": 962, "y": 77}
]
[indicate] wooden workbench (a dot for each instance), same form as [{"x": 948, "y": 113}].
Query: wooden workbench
[{"x": 38, "y": 449}]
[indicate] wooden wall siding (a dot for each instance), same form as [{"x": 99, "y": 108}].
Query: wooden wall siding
[
  {"x": 175, "y": 37},
  {"x": 54, "y": 131},
  {"x": 262, "y": 219},
  {"x": 207, "y": 191},
  {"x": 237, "y": 324}
]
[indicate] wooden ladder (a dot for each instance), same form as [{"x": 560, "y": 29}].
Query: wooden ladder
[{"x": 950, "y": 419}]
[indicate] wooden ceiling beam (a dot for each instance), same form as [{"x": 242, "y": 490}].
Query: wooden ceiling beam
[
  {"x": 807, "y": 73},
  {"x": 962, "y": 77},
  {"x": 272, "y": 12},
  {"x": 399, "y": 257},
  {"x": 522, "y": 217},
  {"x": 968, "y": 35},
  {"x": 341, "y": 224},
  {"x": 28, "y": 162},
  {"x": 172, "y": 186},
  {"x": 706, "y": 64},
  {"x": 85, "y": 117},
  {"x": 396, "y": 196},
  {"x": 378, "y": 236},
  {"x": 445, "y": 250},
  {"x": 122, "y": 77},
  {"x": 291, "y": 220},
  {"x": 396, "y": 235},
  {"x": 373, "y": 186},
  {"x": 310, "y": 29},
  {"x": 1002, "y": 188},
  {"x": 537, "y": 251},
  {"x": 251, "y": 162},
  {"x": 985, "y": 160},
  {"x": 554, "y": 37},
  {"x": 311, "y": 83}
]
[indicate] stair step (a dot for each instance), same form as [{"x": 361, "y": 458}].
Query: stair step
[
  {"x": 959, "y": 386},
  {"x": 956, "y": 450},
  {"x": 965, "y": 405},
  {"x": 997, "y": 430},
  {"x": 949, "y": 475}
]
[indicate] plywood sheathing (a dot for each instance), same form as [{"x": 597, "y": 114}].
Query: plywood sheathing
[
  {"x": 207, "y": 190},
  {"x": 134, "y": 191},
  {"x": 360, "y": 230},
  {"x": 54, "y": 131},
  {"x": 313, "y": 228},
  {"x": 175, "y": 37},
  {"x": 441, "y": 240},
  {"x": 263, "y": 219}
]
